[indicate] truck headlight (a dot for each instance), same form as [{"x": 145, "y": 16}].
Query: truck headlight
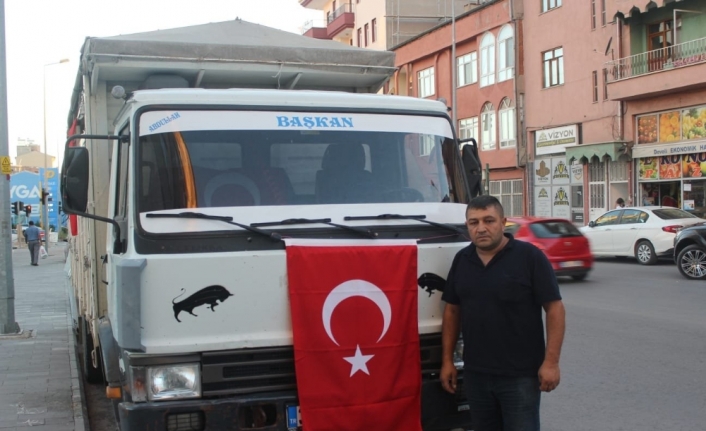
[
  {"x": 458, "y": 354},
  {"x": 171, "y": 382}
]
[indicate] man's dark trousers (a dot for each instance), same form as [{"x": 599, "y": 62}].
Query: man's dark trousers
[{"x": 34, "y": 251}]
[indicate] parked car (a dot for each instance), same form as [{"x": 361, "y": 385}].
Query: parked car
[
  {"x": 690, "y": 252},
  {"x": 564, "y": 245},
  {"x": 643, "y": 232}
]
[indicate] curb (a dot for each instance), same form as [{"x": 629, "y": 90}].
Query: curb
[{"x": 78, "y": 401}]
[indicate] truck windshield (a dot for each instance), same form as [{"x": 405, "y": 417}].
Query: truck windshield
[{"x": 182, "y": 166}]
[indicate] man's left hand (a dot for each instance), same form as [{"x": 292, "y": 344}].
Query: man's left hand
[{"x": 549, "y": 376}]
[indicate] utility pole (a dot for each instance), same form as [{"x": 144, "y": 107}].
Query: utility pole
[{"x": 7, "y": 282}]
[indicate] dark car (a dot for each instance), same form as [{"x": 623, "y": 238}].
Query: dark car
[
  {"x": 563, "y": 244},
  {"x": 690, "y": 252}
]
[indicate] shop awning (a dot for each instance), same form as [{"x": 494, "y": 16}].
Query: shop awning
[{"x": 612, "y": 150}]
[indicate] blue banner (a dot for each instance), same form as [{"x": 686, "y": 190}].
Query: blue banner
[{"x": 26, "y": 187}]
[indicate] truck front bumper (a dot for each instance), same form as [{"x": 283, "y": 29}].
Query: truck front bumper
[{"x": 268, "y": 412}]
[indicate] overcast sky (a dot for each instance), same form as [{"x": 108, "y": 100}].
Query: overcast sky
[{"x": 41, "y": 32}]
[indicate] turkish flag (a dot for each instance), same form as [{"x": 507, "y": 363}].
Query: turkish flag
[{"x": 356, "y": 342}]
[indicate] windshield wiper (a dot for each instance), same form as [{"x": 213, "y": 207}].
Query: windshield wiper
[
  {"x": 421, "y": 218},
  {"x": 226, "y": 219},
  {"x": 290, "y": 221}
]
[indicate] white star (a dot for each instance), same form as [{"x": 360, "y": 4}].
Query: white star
[{"x": 358, "y": 362}]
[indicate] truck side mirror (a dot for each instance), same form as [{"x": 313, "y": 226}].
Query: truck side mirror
[
  {"x": 592, "y": 224},
  {"x": 472, "y": 166},
  {"x": 74, "y": 180}
]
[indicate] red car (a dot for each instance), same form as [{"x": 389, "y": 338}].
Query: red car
[{"x": 565, "y": 246}]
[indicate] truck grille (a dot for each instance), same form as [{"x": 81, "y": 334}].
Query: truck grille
[{"x": 272, "y": 369}]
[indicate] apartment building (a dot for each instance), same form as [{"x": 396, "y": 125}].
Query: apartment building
[
  {"x": 379, "y": 24},
  {"x": 658, "y": 77},
  {"x": 488, "y": 87}
]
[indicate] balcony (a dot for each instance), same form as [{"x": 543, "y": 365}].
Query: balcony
[
  {"x": 341, "y": 20},
  {"x": 315, "y": 29},
  {"x": 653, "y": 73},
  {"x": 313, "y": 4}
]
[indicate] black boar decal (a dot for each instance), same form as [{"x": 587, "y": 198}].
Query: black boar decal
[
  {"x": 208, "y": 295},
  {"x": 431, "y": 282}
]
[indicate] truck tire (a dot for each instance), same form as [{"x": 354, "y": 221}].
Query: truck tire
[{"x": 90, "y": 373}]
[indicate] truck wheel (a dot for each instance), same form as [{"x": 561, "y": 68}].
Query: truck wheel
[
  {"x": 645, "y": 253},
  {"x": 90, "y": 373},
  {"x": 692, "y": 262}
]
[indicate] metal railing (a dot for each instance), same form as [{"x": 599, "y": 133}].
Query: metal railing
[
  {"x": 683, "y": 54},
  {"x": 346, "y": 8},
  {"x": 313, "y": 23}
]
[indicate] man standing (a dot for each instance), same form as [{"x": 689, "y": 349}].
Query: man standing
[
  {"x": 32, "y": 236},
  {"x": 495, "y": 293}
]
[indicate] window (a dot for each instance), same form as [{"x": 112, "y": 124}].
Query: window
[
  {"x": 360, "y": 37},
  {"x": 659, "y": 35},
  {"x": 553, "y": 67},
  {"x": 608, "y": 218},
  {"x": 593, "y": 14},
  {"x": 603, "y": 15},
  {"x": 507, "y": 124},
  {"x": 605, "y": 84},
  {"x": 554, "y": 229},
  {"x": 467, "y": 69},
  {"x": 594, "y": 79},
  {"x": 487, "y": 119},
  {"x": 509, "y": 193},
  {"x": 367, "y": 34},
  {"x": 487, "y": 60},
  {"x": 426, "y": 145},
  {"x": 426, "y": 82},
  {"x": 633, "y": 216},
  {"x": 550, "y": 4},
  {"x": 468, "y": 128},
  {"x": 375, "y": 30},
  {"x": 506, "y": 54}
]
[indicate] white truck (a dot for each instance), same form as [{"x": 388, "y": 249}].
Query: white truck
[{"x": 191, "y": 157}]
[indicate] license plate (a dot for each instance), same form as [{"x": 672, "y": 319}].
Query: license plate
[
  {"x": 571, "y": 264},
  {"x": 294, "y": 417}
]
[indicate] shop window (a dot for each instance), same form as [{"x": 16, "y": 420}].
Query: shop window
[{"x": 509, "y": 193}]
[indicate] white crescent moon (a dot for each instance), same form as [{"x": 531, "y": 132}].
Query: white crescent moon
[{"x": 350, "y": 289}]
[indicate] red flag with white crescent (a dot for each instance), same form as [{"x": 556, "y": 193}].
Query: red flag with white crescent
[{"x": 356, "y": 340}]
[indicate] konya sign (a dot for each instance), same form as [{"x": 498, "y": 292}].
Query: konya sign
[{"x": 550, "y": 141}]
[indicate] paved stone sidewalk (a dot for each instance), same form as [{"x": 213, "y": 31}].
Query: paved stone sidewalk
[{"x": 39, "y": 380}]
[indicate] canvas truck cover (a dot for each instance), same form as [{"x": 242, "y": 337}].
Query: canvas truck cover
[{"x": 235, "y": 54}]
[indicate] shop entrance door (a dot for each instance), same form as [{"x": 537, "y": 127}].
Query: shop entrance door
[{"x": 597, "y": 202}]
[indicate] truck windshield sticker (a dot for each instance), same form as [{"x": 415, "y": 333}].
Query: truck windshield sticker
[
  {"x": 164, "y": 121},
  {"x": 153, "y": 122},
  {"x": 208, "y": 295}
]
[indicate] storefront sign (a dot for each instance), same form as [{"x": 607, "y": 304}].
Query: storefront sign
[
  {"x": 560, "y": 171},
  {"x": 550, "y": 141},
  {"x": 667, "y": 150},
  {"x": 561, "y": 205},
  {"x": 648, "y": 168},
  {"x": 542, "y": 172},
  {"x": 689, "y": 205},
  {"x": 577, "y": 174},
  {"x": 669, "y": 167},
  {"x": 542, "y": 202},
  {"x": 694, "y": 165}
]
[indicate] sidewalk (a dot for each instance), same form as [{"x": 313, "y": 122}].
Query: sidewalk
[{"x": 39, "y": 378}]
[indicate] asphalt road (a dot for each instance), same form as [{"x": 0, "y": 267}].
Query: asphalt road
[{"x": 634, "y": 356}]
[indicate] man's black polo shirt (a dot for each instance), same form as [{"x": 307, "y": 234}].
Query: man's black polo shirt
[{"x": 501, "y": 307}]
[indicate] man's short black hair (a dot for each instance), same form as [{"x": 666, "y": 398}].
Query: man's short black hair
[
  {"x": 620, "y": 201},
  {"x": 485, "y": 201},
  {"x": 31, "y": 223}
]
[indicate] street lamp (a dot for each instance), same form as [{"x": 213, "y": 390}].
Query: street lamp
[{"x": 45, "y": 212}]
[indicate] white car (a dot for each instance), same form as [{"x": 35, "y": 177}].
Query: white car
[{"x": 643, "y": 232}]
